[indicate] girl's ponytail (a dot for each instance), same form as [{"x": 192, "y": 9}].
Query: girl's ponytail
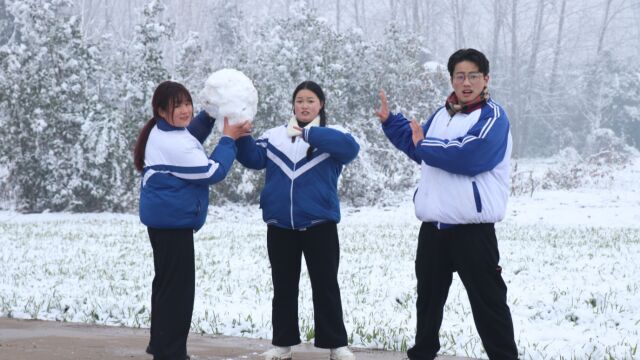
[{"x": 141, "y": 144}]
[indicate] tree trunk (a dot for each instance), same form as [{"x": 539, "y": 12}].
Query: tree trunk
[
  {"x": 458, "y": 20},
  {"x": 605, "y": 24},
  {"x": 497, "y": 27},
  {"x": 356, "y": 12},
  {"x": 426, "y": 22},
  {"x": 514, "y": 46},
  {"x": 514, "y": 79},
  {"x": 393, "y": 6},
  {"x": 363, "y": 16},
  {"x": 6, "y": 24},
  {"x": 337, "y": 15},
  {"x": 558, "y": 48},
  {"x": 416, "y": 16},
  {"x": 535, "y": 42},
  {"x": 526, "y": 94},
  {"x": 83, "y": 17},
  {"x": 405, "y": 16}
]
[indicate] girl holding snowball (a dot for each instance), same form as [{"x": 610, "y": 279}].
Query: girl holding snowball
[{"x": 174, "y": 196}]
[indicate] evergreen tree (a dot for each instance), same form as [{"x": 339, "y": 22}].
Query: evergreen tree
[
  {"x": 222, "y": 36},
  {"x": 351, "y": 72},
  {"x": 623, "y": 104},
  {"x": 148, "y": 67},
  {"x": 193, "y": 65},
  {"x": 6, "y": 23},
  {"x": 123, "y": 104},
  {"x": 601, "y": 90},
  {"x": 109, "y": 181},
  {"x": 45, "y": 68},
  {"x": 397, "y": 65}
]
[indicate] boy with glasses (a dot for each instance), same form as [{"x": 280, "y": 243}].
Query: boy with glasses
[{"x": 463, "y": 150}]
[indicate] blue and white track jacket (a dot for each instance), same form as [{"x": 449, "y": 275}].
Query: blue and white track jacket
[
  {"x": 177, "y": 173},
  {"x": 465, "y": 164},
  {"x": 298, "y": 192}
]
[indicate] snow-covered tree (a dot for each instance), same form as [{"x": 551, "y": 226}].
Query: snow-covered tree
[
  {"x": 193, "y": 65},
  {"x": 6, "y": 23},
  {"x": 624, "y": 103},
  {"x": 145, "y": 67},
  {"x": 351, "y": 71},
  {"x": 109, "y": 180},
  {"x": 603, "y": 89},
  {"x": 223, "y": 35},
  {"x": 416, "y": 87},
  {"x": 128, "y": 78},
  {"x": 44, "y": 97}
]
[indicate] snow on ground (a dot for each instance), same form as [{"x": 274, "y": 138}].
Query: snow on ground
[
  {"x": 610, "y": 203},
  {"x": 569, "y": 259}
]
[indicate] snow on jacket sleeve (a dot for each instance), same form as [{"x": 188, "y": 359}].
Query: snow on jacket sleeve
[
  {"x": 201, "y": 126},
  {"x": 252, "y": 153},
  {"x": 398, "y": 131},
  {"x": 340, "y": 145},
  {"x": 480, "y": 150}
]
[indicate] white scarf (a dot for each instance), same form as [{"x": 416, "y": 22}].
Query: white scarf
[{"x": 292, "y": 132}]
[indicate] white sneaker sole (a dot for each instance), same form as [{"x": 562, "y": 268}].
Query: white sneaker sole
[
  {"x": 347, "y": 357},
  {"x": 278, "y": 357},
  {"x": 352, "y": 357}
]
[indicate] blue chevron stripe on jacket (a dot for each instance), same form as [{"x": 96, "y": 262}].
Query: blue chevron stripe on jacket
[{"x": 299, "y": 192}]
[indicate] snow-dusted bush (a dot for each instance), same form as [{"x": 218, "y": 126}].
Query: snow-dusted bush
[
  {"x": 522, "y": 181},
  {"x": 567, "y": 173},
  {"x": 604, "y": 152},
  {"x": 605, "y": 148}
]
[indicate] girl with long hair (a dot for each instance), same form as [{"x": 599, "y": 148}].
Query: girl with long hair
[
  {"x": 174, "y": 197},
  {"x": 303, "y": 160}
]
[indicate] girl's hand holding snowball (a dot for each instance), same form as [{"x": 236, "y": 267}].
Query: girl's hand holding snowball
[{"x": 236, "y": 131}]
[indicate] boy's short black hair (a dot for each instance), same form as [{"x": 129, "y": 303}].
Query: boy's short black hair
[{"x": 472, "y": 55}]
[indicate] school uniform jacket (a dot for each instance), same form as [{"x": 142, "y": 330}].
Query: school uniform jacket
[
  {"x": 177, "y": 172},
  {"x": 465, "y": 164},
  {"x": 298, "y": 192}
]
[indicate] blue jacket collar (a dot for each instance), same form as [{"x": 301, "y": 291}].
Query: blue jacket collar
[{"x": 165, "y": 126}]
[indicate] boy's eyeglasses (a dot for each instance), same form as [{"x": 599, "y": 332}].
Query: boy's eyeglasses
[{"x": 473, "y": 77}]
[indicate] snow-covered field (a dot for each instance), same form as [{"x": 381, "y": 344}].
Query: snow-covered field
[{"x": 570, "y": 260}]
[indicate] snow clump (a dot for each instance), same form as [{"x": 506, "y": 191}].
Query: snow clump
[{"x": 229, "y": 93}]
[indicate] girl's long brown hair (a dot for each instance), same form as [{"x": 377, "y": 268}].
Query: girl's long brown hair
[{"x": 165, "y": 97}]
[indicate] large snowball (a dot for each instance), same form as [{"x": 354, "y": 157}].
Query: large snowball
[{"x": 230, "y": 93}]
